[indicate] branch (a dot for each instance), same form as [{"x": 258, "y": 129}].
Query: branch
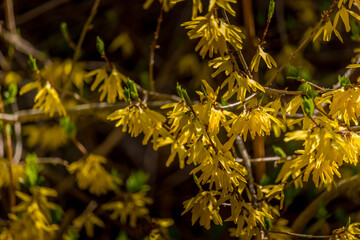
[
  {"x": 302, "y": 44},
  {"x": 268, "y": 159},
  {"x": 302, "y": 235},
  {"x": 32, "y": 115},
  {"x": 152, "y": 49},
  {"x": 33, "y": 13},
  {"x": 22, "y": 45}
]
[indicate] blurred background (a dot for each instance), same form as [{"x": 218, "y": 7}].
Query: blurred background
[{"x": 128, "y": 30}]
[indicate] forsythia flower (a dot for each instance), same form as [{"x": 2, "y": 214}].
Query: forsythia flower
[
  {"x": 111, "y": 87},
  {"x": 255, "y": 62},
  {"x": 324, "y": 151},
  {"x": 235, "y": 82},
  {"x": 256, "y": 121},
  {"x": 33, "y": 218},
  {"x": 133, "y": 206},
  {"x": 344, "y": 103},
  {"x": 204, "y": 206},
  {"x": 17, "y": 171},
  {"x": 327, "y": 29},
  {"x": 90, "y": 174},
  {"x": 214, "y": 34},
  {"x": 89, "y": 220},
  {"x": 46, "y": 99},
  {"x": 140, "y": 119},
  {"x": 243, "y": 213},
  {"x": 44, "y": 136},
  {"x": 352, "y": 232}
]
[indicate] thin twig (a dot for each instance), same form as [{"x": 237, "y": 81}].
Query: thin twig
[
  {"x": 53, "y": 160},
  {"x": 268, "y": 159},
  {"x": 18, "y": 137},
  {"x": 9, "y": 153},
  {"x": 302, "y": 44},
  {"x": 302, "y": 235},
  {"x": 22, "y": 45},
  {"x": 152, "y": 50},
  {"x": 80, "y": 146},
  {"x": 35, "y": 12},
  {"x": 9, "y": 15}
]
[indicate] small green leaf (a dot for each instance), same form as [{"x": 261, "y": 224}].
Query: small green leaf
[
  {"x": 203, "y": 90},
  {"x": 56, "y": 214},
  {"x": 127, "y": 94},
  {"x": 32, "y": 169},
  {"x": 8, "y": 129},
  {"x": 100, "y": 45},
  {"x": 132, "y": 87},
  {"x": 32, "y": 63},
  {"x": 64, "y": 30},
  {"x": 137, "y": 182},
  {"x": 223, "y": 102},
  {"x": 10, "y": 94},
  {"x": 260, "y": 98},
  {"x": 179, "y": 90},
  {"x": 343, "y": 81},
  {"x": 279, "y": 151},
  {"x": 293, "y": 71},
  {"x": 68, "y": 126},
  {"x": 309, "y": 106},
  {"x": 271, "y": 9},
  {"x": 186, "y": 97},
  {"x": 348, "y": 223},
  {"x": 267, "y": 223}
]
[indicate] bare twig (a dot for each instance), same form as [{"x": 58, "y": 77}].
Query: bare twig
[
  {"x": 80, "y": 146},
  {"x": 302, "y": 235},
  {"x": 18, "y": 137},
  {"x": 22, "y": 45},
  {"x": 152, "y": 50},
  {"x": 84, "y": 31},
  {"x": 33, "y": 13},
  {"x": 53, "y": 160},
  {"x": 267, "y": 159},
  {"x": 9, "y": 15}
]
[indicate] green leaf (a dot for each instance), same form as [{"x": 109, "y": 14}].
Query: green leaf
[
  {"x": 122, "y": 236},
  {"x": 293, "y": 71},
  {"x": 223, "y": 102},
  {"x": 137, "y": 182},
  {"x": 354, "y": 30},
  {"x": 127, "y": 94},
  {"x": 32, "y": 169},
  {"x": 267, "y": 224},
  {"x": 279, "y": 151},
  {"x": 203, "y": 90},
  {"x": 56, "y": 214},
  {"x": 179, "y": 90},
  {"x": 100, "y": 45},
  {"x": 271, "y": 9},
  {"x": 32, "y": 63},
  {"x": 309, "y": 106},
  {"x": 305, "y": 74},
  {"x": 343, "y": 81},
  {"x": 132, "y": 87},
  {"x": 10, "y": 94},
  {"x": 348, "y": 223},
  {"x": 64, "y": 30},
  {"x": 68, "y": 126},
  {"x": 265, "y": 180}
]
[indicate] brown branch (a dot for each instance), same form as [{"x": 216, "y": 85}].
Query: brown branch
[
  {"x": 33, "y": 13},
  {"x": 53, "y": 160},
  {"x": 84, "y": 31},
  {"x": 9, "y": 15},
  {"x": 302, "y": 235},
  {"x": 80, "y": 146},
  {"x": 267, "y": 159},
  {"x": 152, "y": 50},
  {"x": 22, "y": 45}
]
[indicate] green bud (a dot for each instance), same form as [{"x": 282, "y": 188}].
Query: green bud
[
  {"x": 271, "y": 9},
  {"x": 32, "y": 63},
  {"x": 309, "y": 106},
  {"x": 100, "y": 45},
  {"x": 64, "y": 30}
]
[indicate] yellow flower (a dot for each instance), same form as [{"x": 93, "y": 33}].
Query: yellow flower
[
  {"x": 137, "y": 119},
  {"x": 17, "y": 171},
  {"x": 324, "y": 152},
  {"x": 255, "y": 62},
  {"x": 204, "y": 206},
  {"x": 89, "y": 220},
  {"x": 214, "y": 34},
  {"x": 111, "y": 87},
  {"x": 257, "y": 121},
  {"x": 327, "y": 30},
  {"x": 90, "y": 174},
  {"x": 132, "y": 206}
]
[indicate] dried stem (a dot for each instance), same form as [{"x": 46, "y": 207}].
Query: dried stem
[
  {"x": 9, "y": 152},
  {"x": 80, "y": 146},
  {"x": 152, "y": 50}
]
